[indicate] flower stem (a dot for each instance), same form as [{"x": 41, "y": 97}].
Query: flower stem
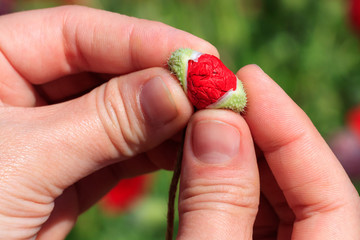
[{"x": 172, "y": 192}]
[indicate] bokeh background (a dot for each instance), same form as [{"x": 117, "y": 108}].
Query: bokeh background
[{"x": 311, "y": 48}]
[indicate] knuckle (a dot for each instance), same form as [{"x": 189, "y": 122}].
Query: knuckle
[
  {"x": 224, "y": 195},
  {"x": 121, "y": 118}
]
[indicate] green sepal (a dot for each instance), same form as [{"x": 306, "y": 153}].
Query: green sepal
[
  {"x": 233, "y": 100},
  {"x": 178, "y": 63}
]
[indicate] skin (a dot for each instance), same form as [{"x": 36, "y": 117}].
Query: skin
[{"x": 85, "y": 101}]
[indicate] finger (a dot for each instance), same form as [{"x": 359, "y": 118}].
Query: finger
[
  {"x": 69, "y": 87},
  {"x": 93, "y": 187},
  {"x": 85, "y": 193},
  {"x": 312, "y": 180},
  {"x": 117, "y": 121},
  {"x": 219, "y": 191},
  {"x": 62, "y": 218},
  {"x": 276, "y": 199},
  {"x": 68, "y": 40}
]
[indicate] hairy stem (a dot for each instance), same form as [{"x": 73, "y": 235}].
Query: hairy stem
[{"x": 172, "y": 192}]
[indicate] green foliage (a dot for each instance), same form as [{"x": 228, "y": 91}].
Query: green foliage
[
  {"x": 146, "y": 220},
  {"x": 306, "y": 46}
]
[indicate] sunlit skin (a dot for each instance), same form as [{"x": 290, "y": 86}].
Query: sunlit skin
[{"x": 85, "y": 100}]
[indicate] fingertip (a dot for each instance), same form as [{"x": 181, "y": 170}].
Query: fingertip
[
  {"x": 178, "y": 38},
  {"x": 252, "y": 71},
  {"x": 250, "y": 68},
  {"x": 207, "y": 47},
  {"x": 271, "y": 114}
]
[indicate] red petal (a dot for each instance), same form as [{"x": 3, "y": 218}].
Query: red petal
[{"x": 208, "y": 79}]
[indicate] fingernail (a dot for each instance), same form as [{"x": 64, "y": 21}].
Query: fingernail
[
  {"x": 157, "y": 103},
  {"x": 215, "y": 142}
]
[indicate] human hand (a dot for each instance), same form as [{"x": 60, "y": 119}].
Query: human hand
[
  {"x": 61, "y": 149},
  {"x": 293, "y": 188}
]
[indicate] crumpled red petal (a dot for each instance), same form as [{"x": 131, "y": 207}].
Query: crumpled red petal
[{"x": 208, "y": 79}]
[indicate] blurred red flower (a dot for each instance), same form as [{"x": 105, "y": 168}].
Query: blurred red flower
[
  {"x": 355, "y": 14},
  {"x": 125, "y": 194},
  {"x": 354, "y": 120}
]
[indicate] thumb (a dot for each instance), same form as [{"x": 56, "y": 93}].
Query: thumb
[
  {"x": 219, "y": 191},
  {"x": 117, "y": 121}
]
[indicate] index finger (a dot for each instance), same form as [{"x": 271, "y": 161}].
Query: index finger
[
  {"x": 314, "y": 184},
  {"x": 47, "y": 44}
]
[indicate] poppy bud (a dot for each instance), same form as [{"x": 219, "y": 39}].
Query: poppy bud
[{"x": 207, "y": 82}]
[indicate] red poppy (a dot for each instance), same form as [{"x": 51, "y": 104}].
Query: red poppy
[
  {"x": 125, "y": 194},
  {"x": 355, "y": 14},
  {"x": 207, "y": 82},
  {"x": 354, "y": 120}
]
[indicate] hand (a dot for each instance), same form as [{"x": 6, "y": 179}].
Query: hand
[
  {"x": 294, "y": 189},
  {"x": 61, "y": 149}
]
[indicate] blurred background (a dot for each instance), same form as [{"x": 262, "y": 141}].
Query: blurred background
[{"x": 311, "y": 48}]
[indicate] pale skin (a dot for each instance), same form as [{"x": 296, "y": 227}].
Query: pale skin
[{"x": 68, "y": 135}]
